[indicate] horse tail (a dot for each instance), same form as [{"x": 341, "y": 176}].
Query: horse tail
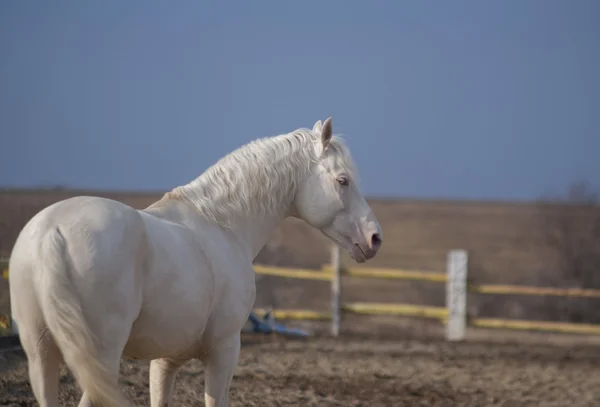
[{"x": 64, "y": 316}]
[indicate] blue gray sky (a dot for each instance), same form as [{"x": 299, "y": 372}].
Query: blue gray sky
[{"x": 460, "y": 99}]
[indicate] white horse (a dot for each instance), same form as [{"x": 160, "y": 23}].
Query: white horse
[{"x": 93, "y": 280}]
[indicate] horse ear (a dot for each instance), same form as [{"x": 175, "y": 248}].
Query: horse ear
[
  {"x": 326, "y": 132},
  {"x": 318, "y": 126}
]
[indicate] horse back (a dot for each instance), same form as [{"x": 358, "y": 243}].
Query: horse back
[{"x": 103, "y": 239}]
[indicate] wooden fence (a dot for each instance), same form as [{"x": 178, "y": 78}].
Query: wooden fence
[{"x": 453, "y": 315}]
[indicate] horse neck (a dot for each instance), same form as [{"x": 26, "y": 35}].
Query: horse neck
[
  {"x": 251, "y": 233},
  {"x": 245, "y": 216},
  {"x": 253, "y": 229}
]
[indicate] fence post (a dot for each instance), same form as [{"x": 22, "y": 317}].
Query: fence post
[
  {"x": 336, "y": 290},
  {"x": 456, "y": 295}
]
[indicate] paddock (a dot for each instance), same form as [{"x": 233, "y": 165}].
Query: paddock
[{"x": 381, "y": 361}]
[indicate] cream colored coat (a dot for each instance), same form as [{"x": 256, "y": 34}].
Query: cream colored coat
[{"x": 92, "y": 280}]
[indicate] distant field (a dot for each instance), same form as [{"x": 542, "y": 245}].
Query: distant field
[{"x": 503, "y": 241}]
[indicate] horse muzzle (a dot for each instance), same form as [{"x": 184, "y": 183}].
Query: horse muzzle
[{"x": 368, "y": 249}]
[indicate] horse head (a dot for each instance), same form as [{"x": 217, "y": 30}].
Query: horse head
[{"x": 330, "y": 200}]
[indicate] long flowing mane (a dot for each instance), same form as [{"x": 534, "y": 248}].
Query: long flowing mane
[{"x": 258, "y": 177}]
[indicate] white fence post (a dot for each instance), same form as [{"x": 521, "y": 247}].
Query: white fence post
[
  {"x": 336, "y": 290},
  {"x": 456, "y": 295}
]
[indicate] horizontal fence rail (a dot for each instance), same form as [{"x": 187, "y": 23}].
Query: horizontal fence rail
[
  {"x": 293, "y": 273},
  {"x": 454, "y": 315},
  {"x": 370, "y": 308},
  {"x": 301, "y": 314},
  {"x": 524, "y": 290},
  {"x": 391, "y": 274},
  {"x": 564, "y": 327}
]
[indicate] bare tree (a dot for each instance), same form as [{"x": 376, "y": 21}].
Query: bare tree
[{"x": 570, "y": 227}]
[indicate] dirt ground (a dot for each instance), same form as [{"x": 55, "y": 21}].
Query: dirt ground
[{"x": 376, "y": 369}]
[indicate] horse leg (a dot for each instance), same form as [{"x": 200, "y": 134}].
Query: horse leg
[
  {"x": 94, "y": 362},
  {"x": 110, "y": 359},
  {"x": 220, "y": 365},
  {"x": 162, "y": 381},
  {"x": 44, "y": 359},
  {"x": 43, "y": 355}
]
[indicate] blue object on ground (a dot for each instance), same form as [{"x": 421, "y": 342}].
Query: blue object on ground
[{"x": 267, "y": 324}]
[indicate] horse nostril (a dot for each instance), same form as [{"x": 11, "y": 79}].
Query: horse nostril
[{"x": 375, "y": 241}]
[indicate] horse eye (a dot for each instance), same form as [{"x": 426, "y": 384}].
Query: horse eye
[{"x": 342, "y": 180}]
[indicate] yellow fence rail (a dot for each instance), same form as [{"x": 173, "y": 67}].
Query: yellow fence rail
[
  {"x": 453, "y": 315},
  {"x": 525, "y": 290},
  {"x": 409, "y": 310},
  {"x": 564, "y": 327},
  {"x": 300, "y": 314},
  {"x": 293, "y": 273},
  {"x": 396, "y": 274}
]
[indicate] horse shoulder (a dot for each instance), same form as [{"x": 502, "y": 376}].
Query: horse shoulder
[{"x": 235, "y": 288}]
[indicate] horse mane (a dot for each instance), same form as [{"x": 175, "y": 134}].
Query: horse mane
[{"x": 258, "y": 177}]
